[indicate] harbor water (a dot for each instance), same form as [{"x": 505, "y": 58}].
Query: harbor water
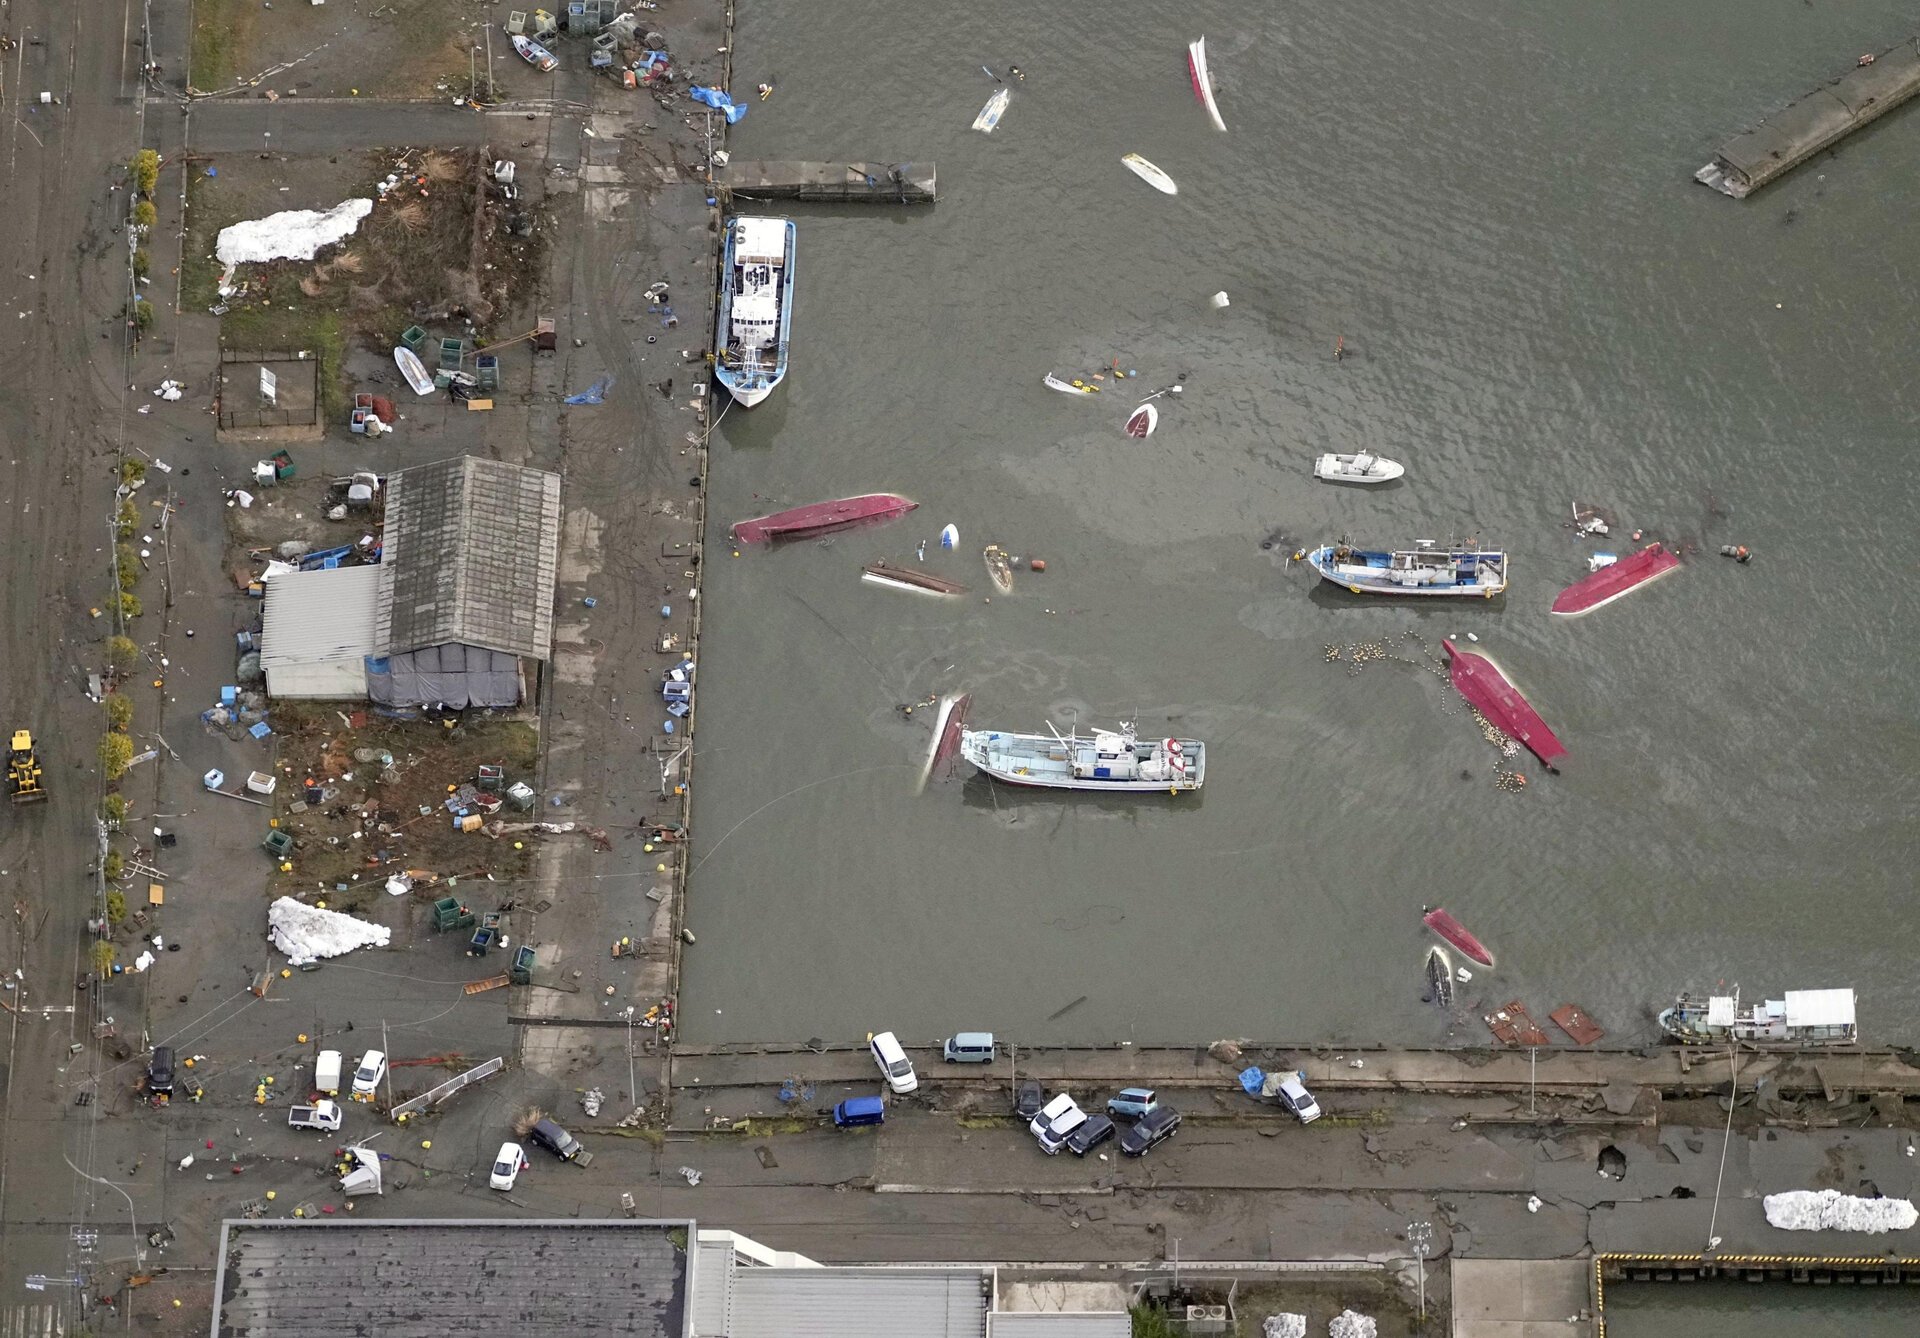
[{"x": 1491, "y": 204}]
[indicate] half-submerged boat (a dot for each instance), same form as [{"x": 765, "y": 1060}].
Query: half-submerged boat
[
  {"x": 1109, "y": 761},
  {"x": 1142, "y": 421},
  {"x": 1802, "y": 1017},
  {"x": 999, "y": 568},
  {"x": 1439, "y": 970},
  {"x": 1070, "y": 386},
  {"x": 1615, "y": 580},
  {"x": 1362, "y": 468},
  {"x": 756, "y": 308},
  {"x": 948, "y": 725},
  {"x": 990, "y": 114},
  {"x": 1203, "y": 82},
  {"x": 802, "y": 522},
  {"x": 1481, "y": 682},
  {"x": 1423, "y": 570},
  {"x": 535, "y": 55},
  {"x": 1150, "y": 174},
  {"x": 1456, "y": 933},
  {"x": 915, "y": 579}
]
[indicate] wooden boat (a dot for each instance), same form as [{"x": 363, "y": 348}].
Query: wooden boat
[
  {"x": 1150, "y": 174},
  {"x": 915, "y": 579},
  {"x": 1802, "y": 1017},
  {"x": 1112, "y": 761},
  {"x": 1456, "y": 933},
  {"x": 1614, "y": 581},
  {"x": 756, "y": 308},
  {"x": 990, "y": 114},
  {"x": 1481, "y": 682},
  {"x": 535, "y": 55},
  {"x": 1142, "y": 421},
  {"x": 413, "y": 369},
  {"x": 803, "y": 522},
  {"x": 1424, "y": 570},
  {"x": 1074, "y": 386},
  {"x": 999, "y": 568},
  {"x": 1203, "y": 82},
  {"x": 1362, "y": 468}
]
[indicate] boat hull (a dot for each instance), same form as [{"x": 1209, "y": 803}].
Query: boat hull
[
  {"x": 747, "y": 377},
  {"x": 989, "y": 118},
  {"x": 1457, "y": 934},
  {"x": 1052, "y": 382},
  {"x": 1143, "y": 421},
  {"x": 414, "y": 370},
  {"x": 909, "y": 579},
  {"x": 1072, "y": 762},
  {"x": 803, "y": 522},
  {"x": 1615, "y": 582},
  {"x": 1203, "y": 82},
  {"x": 1370, "y": 572},
  {"x": 1480, "y": 681},
  {"x": 1150, "y": 174}
]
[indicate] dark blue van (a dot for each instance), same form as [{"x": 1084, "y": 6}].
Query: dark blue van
[{"x": 858, "y": 1110}]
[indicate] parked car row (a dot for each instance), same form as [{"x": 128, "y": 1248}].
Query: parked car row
[{"x": 1060, "y": 1123}]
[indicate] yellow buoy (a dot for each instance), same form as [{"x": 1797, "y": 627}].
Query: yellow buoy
[
  {"x": 426, "y": 1142},
  {"x": 285, "y": 974},
  {"x": 303, "y": 1038},
  {"x": 272, "y": 1194}
]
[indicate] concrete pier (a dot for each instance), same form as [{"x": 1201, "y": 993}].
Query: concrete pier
[
  {"x": 872, "y": 183},
  {"x": 1823, "y": 117}
]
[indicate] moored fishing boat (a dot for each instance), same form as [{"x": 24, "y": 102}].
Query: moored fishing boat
[
  {"x": 915, "y": 579},
  {"x": 1456, "y": 933},
  {"x": 1800, "y": 1017},
  {"x": 802, "y": 522},
  {"x": 756, "y": 308},
  {"x": 1364, "y": 467},
  {"x": 1108, "y": 761},
  {"x": 1613, "y": 581},
  {"x": 1422, "y": 570}
]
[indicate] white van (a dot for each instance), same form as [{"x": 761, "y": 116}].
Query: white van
[
  {"x": 326, "y": 1072},
  {"x": 893, "y": 1062}
]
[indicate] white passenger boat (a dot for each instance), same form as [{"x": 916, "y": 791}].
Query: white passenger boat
[
  {"x": 1361, "y": 468},
  {"x": 756, "y": 308},
  {"x": 1800, "y": 1017},
  {"x": 1109, "y": 760}
]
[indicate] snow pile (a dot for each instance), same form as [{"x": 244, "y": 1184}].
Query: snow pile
[
  {"x": 1346, "y": 1324},
  {"x": 307, "y": 933},
  {"x": 297, "y": 234},
  {"x": 1284, "y": 1326},
  {"x": 1830, "y": 1210}
]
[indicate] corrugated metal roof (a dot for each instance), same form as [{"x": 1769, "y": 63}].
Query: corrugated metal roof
[
  {"x": 474, "y": 546},
  {"x": 1060, "y": 1324},
  {"x": 316, "y": 631},
  {"x": 712, "y": 1285},
  {"x": 859, "y": 1303}
]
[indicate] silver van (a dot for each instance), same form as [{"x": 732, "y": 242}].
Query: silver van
[{"x": 968, "y": 1047}]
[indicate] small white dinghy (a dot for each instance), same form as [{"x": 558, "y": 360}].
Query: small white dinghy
[
  {"x": 990, "y": 114},
  {"x": 1361, "y": 468},
  {"x": 1142, "y": 421},
  {"x": 1150, "y": 174},
  {"x": 413, "y": 369}
]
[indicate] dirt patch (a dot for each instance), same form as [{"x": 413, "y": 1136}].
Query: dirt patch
[
  {"x": 372, "y": 821},
  {"x": 1320, "y": 1299},
  {"x": 399, "y": 49}
]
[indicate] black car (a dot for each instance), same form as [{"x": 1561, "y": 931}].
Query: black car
[
  {"x": 160, "y": 1071},
  {"x": 1027, "y": 1100},
  {"x": 555, "y": 1140},
  {"x": 1156, "y": 1126},
  {"x": 1097, "y": 1130}
]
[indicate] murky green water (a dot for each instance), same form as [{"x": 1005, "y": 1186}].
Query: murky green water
[
  {"x": 1770, "y": 1310},
  {"x": 1491, "y": 203}
]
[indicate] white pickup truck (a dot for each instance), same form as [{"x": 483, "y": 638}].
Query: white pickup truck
[{"x": 320, "y": 1115}]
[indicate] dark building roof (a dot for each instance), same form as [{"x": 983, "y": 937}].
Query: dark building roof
[
  {"x": 473, "y": 546},
  {"x": 432, "y": 1279}
]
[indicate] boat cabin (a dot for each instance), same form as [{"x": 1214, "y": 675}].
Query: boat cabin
[{"x": 759, "y": 256}]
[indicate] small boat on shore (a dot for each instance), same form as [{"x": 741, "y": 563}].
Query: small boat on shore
[
  {"x": 1801, "y": 1017},
  {"x": 915, "y": 579},
  {"x": 535, "y": 55},
  {"x": 990, "y": 114},
  {"x": 1203, "y": 82},
  {"x": 1481, "y": 682},
  {"x": 1150, "y": 174},
  {"x": 1108, "y": 761},
  {"x": 1456, "y": 933},
  {"x": 1073, "y": 386},
  {"x": 1142, "y": 421},
  {"x": 413, "y": 369},
  {"x": 802, "y": 522},
  {"x": 756, "y": 308},
  {"x": 999, "y": 568},
  {"x": 1362, "y": 468},
  {"x": 1615, "y": 580},
  {"x": 1422, "y": 570}
]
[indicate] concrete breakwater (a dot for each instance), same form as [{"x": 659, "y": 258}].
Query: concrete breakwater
[{"x": 1814, "y": 121}]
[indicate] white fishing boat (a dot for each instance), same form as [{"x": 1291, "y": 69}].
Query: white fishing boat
[
  {"x": 1110, "y": 761},
  {"x": 535, "y": 55},
  {"x": 1073, "y": 386},
  {"x": 1203, "y": 82},
  {"x": 1362, "y": 468},
  {"x": 1421, "y": 570},
  {"x": 1150, "y": 174},
  {"x": 756, "y": 308},
  {"x": 1801, "y": 1017},
  {"x": 990, "y": 114},
  {"x": 413, "y": 369}
]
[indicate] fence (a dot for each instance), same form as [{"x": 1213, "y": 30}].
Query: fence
[{"x": 433, "y": 1096}]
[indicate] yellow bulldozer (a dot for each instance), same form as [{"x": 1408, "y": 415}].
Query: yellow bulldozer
[{"x": 24, "y": 784}]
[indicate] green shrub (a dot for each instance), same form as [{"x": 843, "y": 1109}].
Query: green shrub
[
  {"x": 142, "y": 263},
  {"x": 114, "y": 809},
  {"x": 133, "y": 470},
  {"x": 114, "y": 865},
  {"x": 119, "y": 712},
  {"x": 104, "y": 956},
  {"x": 129, "y": 604},
  {"x": 116, "y": 755},
  {"x": 127, "y": 519},
  {"x": 116, "y": 906},
  {"x": 143, "y": 315},
  {"x": 145, "y": 215},
  {"x": 122, "y": 654},
  {"x": 146, "y": 170}
]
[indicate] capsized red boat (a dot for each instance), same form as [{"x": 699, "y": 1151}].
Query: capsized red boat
[
  {"x": 1613, "y": 581},
  {"x": 1482, "y": 683},
  {"x": 822, "y": 517},
  {"x": 1456, "y": 933}
]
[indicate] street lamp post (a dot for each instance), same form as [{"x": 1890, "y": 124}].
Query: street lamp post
[{"x": 1420, "y": 1241}]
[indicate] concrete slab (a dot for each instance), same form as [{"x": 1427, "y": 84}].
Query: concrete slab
[{"x": 1521, "y": 1298}]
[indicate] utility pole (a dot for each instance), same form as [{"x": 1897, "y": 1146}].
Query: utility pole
[
  {"x": 1420, "y": 1240},
  {"x": 389, "y": 1057},
  {"x": 489, "y": 64}
]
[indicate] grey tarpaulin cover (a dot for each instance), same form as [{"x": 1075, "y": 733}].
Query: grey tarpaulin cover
[{"x": 453, "y": 675}]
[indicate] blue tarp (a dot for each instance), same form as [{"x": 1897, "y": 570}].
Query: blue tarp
[
  {"x": 593, "y": 394},
  {"x": 1252, "y": 1080},
  {"x": 719, "y": 101}
]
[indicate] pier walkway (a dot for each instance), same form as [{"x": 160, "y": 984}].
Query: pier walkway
[{"x": 868, "y": 183}]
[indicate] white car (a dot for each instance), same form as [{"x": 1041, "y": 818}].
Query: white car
[
  {"x": 507, "y": 1166},
  {"x": 893, "y": 1062},
  {"x": 1058, "y": 1118},
  {"x": 1294, "y": 1096},
  {"x": 366, "y": 1078}
]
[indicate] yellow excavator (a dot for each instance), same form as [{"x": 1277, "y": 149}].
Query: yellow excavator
[{"x": 24, "y": 784}]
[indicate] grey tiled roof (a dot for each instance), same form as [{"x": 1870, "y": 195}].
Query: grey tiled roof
[{"x": 473, "y": 546}]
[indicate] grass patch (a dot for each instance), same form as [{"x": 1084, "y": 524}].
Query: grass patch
[
  {"x": 221, "y": 28},
  {"x": 206, "y": 215},
  {"x": 282, "y": 318}
]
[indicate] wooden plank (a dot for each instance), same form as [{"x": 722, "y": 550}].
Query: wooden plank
[
  {"x": 482, "y": 986},
  {"x": 156, "y": 895},
  {"x": 479, "y": 406}
]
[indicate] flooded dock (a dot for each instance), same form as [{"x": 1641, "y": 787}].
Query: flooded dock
[
  {"x": 1815, "y": 121},
  {"x": 868, "y": 183}
]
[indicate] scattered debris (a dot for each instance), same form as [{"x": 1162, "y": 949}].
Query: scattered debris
[
  {"x": 1284, "y": 1326},
  {"x": 308, "y": 933},
  {"x": 296, "y": 234},
  {"x": 1830, "y": 1210},
  {"x": 692, "y": 1176},
  {"x": 1351, "y": 1324}
]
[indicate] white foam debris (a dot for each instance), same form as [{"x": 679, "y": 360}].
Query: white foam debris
[
  {"x": 307, "y": 933},
  {"x": 1830, "y": 1210},
  {"x": 296, "y": 234},
  {"x": 1349, "y": 1324},
  {"x": 1284, "y": 1325}
]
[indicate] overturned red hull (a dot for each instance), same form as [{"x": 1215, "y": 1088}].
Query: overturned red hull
[
  {"x": 1499, "y": 701},
  {"x": 1610, "y": 583},
  {"x": 821, "y": 517},
  {"x": 1456, "y": 933}
]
